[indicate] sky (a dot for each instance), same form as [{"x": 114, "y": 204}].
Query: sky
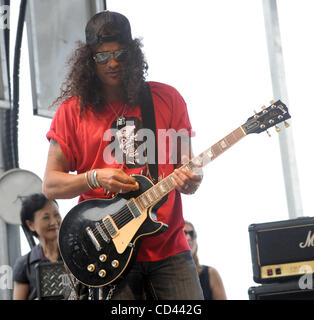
[{"x": 215, "y": 53}]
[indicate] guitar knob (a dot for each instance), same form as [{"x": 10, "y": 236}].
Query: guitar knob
[
  {"x": 103, "y": 258},
  {"x": 102, "y": 273},
  {"x": 91, "y": 268},
  {"x": 115, "y": 263}
]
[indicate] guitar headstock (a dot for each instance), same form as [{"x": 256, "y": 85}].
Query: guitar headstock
[{"x": 277, "y": 112}]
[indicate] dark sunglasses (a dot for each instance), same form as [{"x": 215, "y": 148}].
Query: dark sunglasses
[
  {"x": 191, "y": 233},
  {"x": 105, "y": 56}
]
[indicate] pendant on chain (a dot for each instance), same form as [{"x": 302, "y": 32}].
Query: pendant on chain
[{"x": 120, "y": 121}]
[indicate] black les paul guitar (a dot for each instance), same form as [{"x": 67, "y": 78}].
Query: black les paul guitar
[{"x": 99, "y": 238}]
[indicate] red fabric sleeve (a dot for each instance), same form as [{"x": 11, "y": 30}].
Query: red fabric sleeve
[
  {"x": 60, "y": 130},
  {"x": 180, "y": 117}
]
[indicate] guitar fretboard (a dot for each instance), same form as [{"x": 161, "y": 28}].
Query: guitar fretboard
[{"x": 162, "y": 188}]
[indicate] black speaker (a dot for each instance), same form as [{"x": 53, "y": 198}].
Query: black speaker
[
  {"x": 288, "y": 290},
  {"x": 282, "y": 250}
]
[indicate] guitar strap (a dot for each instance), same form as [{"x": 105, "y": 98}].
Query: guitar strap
[{"x": 149, "y": 121}]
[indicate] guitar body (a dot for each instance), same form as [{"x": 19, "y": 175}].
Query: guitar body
[{"x": 96, "y": 243}]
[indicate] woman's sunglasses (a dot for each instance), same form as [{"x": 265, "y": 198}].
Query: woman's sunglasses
[
  {"x": 105, "y": 56},
  {"x": 191, "y": 233}
]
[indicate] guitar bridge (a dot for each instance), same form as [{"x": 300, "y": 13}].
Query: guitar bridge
[{"x": 93, "y": 238}]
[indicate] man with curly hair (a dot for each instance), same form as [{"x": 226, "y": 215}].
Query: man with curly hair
[{"x": 101, "y": 97}]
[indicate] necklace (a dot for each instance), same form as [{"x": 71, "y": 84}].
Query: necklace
[{"x": 120, "y": 119}]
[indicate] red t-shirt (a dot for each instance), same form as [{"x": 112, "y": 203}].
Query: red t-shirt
[{"x": 85, "y": 143}]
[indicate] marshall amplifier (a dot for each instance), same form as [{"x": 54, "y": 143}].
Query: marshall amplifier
[
  {"x": 282, "y": 250},
  {"x": 288, "y": 290}
]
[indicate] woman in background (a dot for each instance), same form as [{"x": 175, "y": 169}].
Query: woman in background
[
  {"x": 211, "y": 283},
  {"x": 41, "y": 217}
]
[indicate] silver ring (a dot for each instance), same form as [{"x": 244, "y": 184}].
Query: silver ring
[
  {"x": 187, "y": 186},
  {"x": 120, "y": 190}
]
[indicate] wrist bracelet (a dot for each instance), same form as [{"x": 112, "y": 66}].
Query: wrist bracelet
[
  {"x": 92, "y": 179},
  {"x": 95, "y": 179},
  {"x": 86, "y": 179}
]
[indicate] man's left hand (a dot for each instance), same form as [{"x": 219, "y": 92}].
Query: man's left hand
[{"x": 187, "y": 181}]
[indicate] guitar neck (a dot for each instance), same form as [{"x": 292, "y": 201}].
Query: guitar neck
[
  {"x": 162, "y": 188},
  {"x": 217, "y": 149}
]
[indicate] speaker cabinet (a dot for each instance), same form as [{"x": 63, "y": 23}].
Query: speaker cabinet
[{"x": 282, "y": 250}]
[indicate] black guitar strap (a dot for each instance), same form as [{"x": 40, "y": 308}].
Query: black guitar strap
[{"x": 148, "y": 118}]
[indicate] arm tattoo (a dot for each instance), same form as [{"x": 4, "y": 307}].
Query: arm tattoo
[{"x": 54, "y": 142}]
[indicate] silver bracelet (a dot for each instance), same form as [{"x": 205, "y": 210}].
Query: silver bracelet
[
  {"x": 86, "y": 179},
  {"x": 95, "y": 178}
]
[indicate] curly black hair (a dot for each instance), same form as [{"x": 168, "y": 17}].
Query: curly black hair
[
  {"x": 82, "y": 81},
  {"x": 30, "y": 205}
]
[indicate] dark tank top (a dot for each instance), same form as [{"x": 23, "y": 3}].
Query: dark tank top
[{"x": 205, "y": 283}]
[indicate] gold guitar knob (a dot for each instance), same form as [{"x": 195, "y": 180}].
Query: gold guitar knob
[
  {"x": 102, "y": 273},
  {"x": 102, "y": 257},
  {"x": 115, "y": 263},
  {"x": 91, "y": 268}
]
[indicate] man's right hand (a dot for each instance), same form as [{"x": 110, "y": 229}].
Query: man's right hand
[{"x": 116, "y": 180}]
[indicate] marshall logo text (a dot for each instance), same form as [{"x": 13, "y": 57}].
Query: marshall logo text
[{"x": 309, "y": 242}]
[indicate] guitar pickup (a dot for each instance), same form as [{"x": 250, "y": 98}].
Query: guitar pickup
[
  {"x": 110, "y": 226},
  {"x": 133, "y": 208},
  {"x": 102, "y": 232}
]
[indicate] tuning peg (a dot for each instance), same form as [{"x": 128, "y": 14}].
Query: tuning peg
[
  {"x": 263, "y": 107},
  {"x": 255, "y": 112},
  {"x": 268, "y": 133},
  {"x": 287, "y": 125},
  {"x": 272, "y": 101},
  {"x": 277, "y": 128}
]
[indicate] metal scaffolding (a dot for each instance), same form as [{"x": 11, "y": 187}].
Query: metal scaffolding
[{"x": 277, "y": 69}]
